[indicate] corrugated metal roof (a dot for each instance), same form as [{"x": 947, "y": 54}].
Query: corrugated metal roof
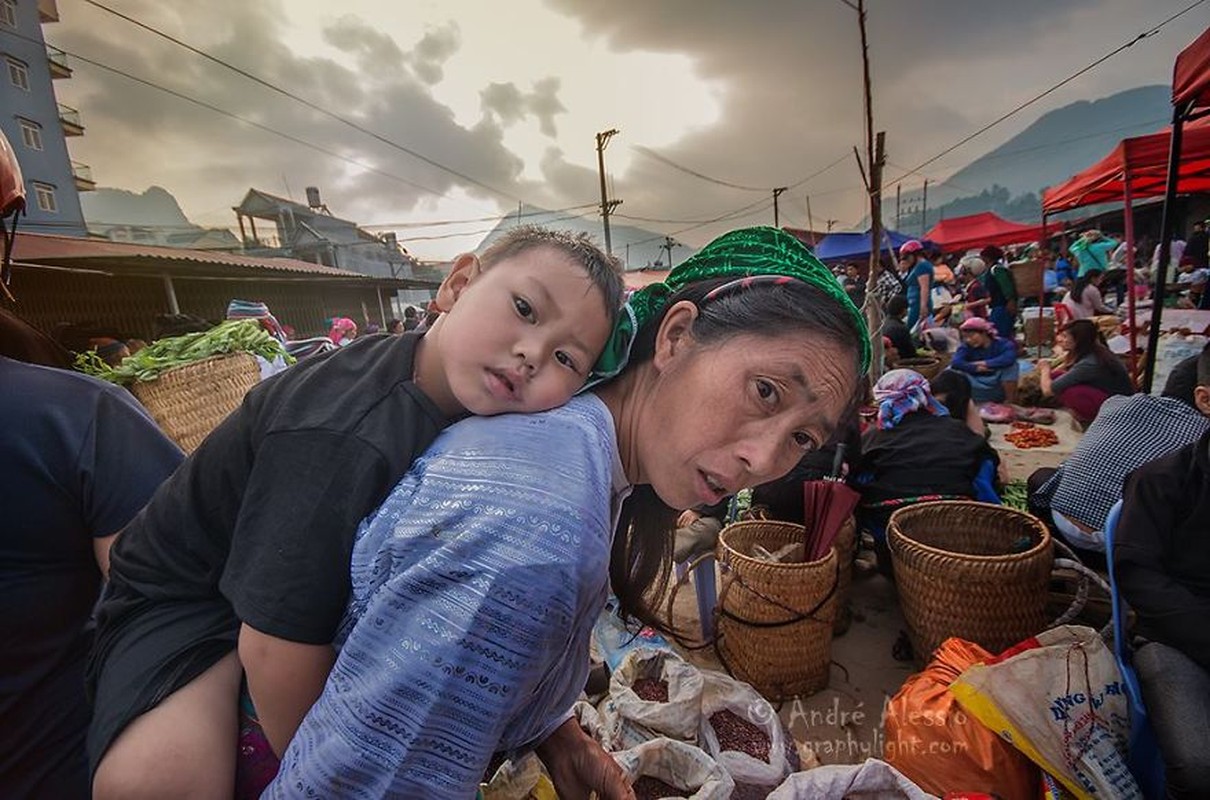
[{"x": 36, "y": 248}]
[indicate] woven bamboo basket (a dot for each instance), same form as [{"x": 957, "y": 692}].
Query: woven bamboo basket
[
  {"x": 774, "y": 620},
  {"x": 1039, "y": 330},
  {"x": 1028, "y": 277},
  {"x": 846, "y": 549},
  {"x": 191, "y": 400},
  {"x": 928, "y": 366},
  {"x": 972, "y": 570}
]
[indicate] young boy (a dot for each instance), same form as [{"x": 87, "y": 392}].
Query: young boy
[{"x": 241, "y": 558}]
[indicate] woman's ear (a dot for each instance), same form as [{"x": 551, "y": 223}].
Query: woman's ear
[
  {"x": 675, "y": 334},
  {"x": 466, "y": 268},
  {"x": 1201, "y": 396}
]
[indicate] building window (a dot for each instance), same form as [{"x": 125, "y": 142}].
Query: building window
[
  {"x": 46, "y": 197},
  {"x": 18, "y": 74},
  {"x": 8, "y": 13},
  {"x": 31, "y": 134}
]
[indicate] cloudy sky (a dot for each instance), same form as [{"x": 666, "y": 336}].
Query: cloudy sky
[{"x": 507, "y": 97}]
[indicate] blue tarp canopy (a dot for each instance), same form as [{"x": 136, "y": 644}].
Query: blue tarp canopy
[{"x": 856, "y": 246}]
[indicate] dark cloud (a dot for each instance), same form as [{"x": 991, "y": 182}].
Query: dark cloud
[
  {"x": 210, "y": 160},
  {"x": 377, "y": 54},
  {"x": 510, "y": 105},
  {"x": 432, "y": 51}
]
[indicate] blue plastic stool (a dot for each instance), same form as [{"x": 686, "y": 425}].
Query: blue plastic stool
[{"x": 1144, "y": 759}]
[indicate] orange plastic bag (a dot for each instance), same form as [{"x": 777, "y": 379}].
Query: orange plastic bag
[{"x": 940, "y": 746}]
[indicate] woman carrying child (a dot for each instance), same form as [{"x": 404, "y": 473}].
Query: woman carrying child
[
  {"x": 239, "y": 558},
  {"x": 476, "y": 584}
]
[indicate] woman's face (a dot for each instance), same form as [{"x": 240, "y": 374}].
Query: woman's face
[
  {"x": 739, "y": 413},
  {"x": 1065, "y": 341}
]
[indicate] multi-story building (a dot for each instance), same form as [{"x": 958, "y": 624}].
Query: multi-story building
[
  {"x": 36, "y": 124},
  {"x": 311, "y": 233}
]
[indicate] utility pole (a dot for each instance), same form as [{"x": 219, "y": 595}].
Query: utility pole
[
  {"x": 924, "y": 212},
  {"x": 810, "y": 221},
  {"x": 607, "y": 205},
  {"x": 777, "y": 193},
  {"x": 831, "y": 222},
  {"x": 670, "y": 243},
  {"x": 518, "y": 212},
  {"x": 628, "y": 255},
  {"x": 876, "y": 158},
  {"x": 898, "y": 192}
]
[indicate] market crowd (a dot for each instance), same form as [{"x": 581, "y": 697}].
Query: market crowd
[{"x": 379, "y": 575}]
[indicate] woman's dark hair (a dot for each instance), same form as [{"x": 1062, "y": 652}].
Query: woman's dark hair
[
  {"x": 642, "y": 544},
  {"x": 956, "y": 391},
  {"x": 1077, "y": 291},
  {"x": 1088, "y": 341}
]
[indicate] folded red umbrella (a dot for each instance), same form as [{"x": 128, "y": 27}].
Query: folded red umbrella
[{"x": 826, "y": 506}]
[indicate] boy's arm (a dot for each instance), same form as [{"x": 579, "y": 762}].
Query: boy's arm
[{"x": 284, "y": 679}]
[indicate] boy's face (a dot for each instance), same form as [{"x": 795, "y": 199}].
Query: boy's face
[{"x": 522, "y": 335}]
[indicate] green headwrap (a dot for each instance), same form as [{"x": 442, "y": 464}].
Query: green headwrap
[{"x": 737, "y": 254}]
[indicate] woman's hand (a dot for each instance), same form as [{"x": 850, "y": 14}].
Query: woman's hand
[
  {"x": 578, "y": 766},
  {"x": 687, "y": 518}
]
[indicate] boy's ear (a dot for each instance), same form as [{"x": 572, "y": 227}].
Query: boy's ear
[
  {"x": 466, "y": 268},
  {"x": 1201, "y": 396}
]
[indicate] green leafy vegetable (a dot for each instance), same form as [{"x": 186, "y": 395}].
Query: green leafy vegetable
[{"x": 233, "y": 336}]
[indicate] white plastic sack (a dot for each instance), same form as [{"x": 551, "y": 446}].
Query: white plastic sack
[
  {"x": 590, "y": 722},
  {"x": 873, "y": 780},
  {"x": 514, "y": 780},
  {"x": 628, "y": 719},
  {"x": 1060, "y": 700},
  {"x": 677, "y": 764},
  {"x": 723, "y": 693}
]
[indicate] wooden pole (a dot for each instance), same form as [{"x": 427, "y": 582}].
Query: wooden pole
[{"x": 875, "y": 158}]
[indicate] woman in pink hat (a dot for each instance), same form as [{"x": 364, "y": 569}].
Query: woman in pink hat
[{"x": 989, "y": 362}]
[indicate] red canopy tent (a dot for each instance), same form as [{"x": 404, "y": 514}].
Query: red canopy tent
[
  {"x": 979, "y": 230},
  {"x": 1139, "y": 164},
  {"x": 1190, "y": 101},
  {"x": 1174, "y": 160},
  {"x": 1191, "y": 75}
]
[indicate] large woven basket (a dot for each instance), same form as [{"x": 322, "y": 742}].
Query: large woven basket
[
  {"x": 972, "y": 570},
  {"x": 1028, "y": 278},
  {"x": 846, "y": 550},
  {"x": 774, "y": 620},
  {"x": 928, "y": 366},
  {"x": 191, "y": 400}
]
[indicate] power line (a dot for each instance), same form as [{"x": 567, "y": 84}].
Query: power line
[
  {"x": 747, "y": 210},
  {"x": 498, "y": 217},
  {"x": 299, "y": 99},
  {"x": 1144, "y": 35},
  {"x": 647, "y": 151}
]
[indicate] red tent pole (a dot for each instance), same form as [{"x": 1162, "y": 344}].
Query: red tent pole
[
  {"x": 1166, "y": 226},
  {"x": 1042, "y": 297},
  {"x": 1128, "y": 221}
]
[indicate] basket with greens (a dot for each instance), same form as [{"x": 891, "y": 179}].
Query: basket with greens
[
  {"x": 189, "y": 384},
  {"x": 233, "y": 336}
]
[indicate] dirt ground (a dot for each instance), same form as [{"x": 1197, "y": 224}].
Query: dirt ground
[{"x": 843, "y": 723}]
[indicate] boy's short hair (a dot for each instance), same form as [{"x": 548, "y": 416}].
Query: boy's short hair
[
  {"x": 605, "y": 271},
  {"x": 1203, "y": 367},
  {"x": 897, "y": 306}
]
